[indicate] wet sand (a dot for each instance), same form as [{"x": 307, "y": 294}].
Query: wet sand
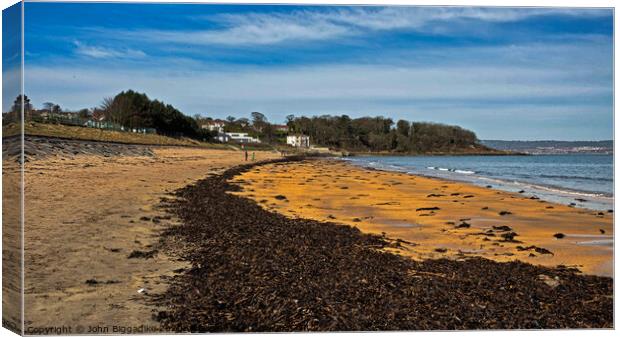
[
  {"x": 86, "y": 214},
  {"x": 437, "y": 218}
]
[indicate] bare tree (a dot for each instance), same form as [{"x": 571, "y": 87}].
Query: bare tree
[
  {"x": 117, "y": 109},
  {"x": 48, "y": 106}
]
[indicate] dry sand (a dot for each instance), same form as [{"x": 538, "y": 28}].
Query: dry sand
[
  {"x": 85, "y": 215},
  {"x": 388, "y": 202},
  {"x": 11, "y": 244}
]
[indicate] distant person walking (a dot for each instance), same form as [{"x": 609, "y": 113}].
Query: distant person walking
[
  {"x": 246, "y": 155},
  {"x": 253, "y": 156}
]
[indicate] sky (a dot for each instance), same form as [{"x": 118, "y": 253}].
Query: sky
[
  {"x": 505, "y": 73},
  {"x": 11, "y": 55}
]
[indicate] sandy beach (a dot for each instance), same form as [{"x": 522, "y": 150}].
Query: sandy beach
[
  {"x": 308, "y": 167},
  {"x": 438, "y": 218},
  {"x": 255, "y": 269},
  {"x": 149, "y": 237},
  {"x": 86, "y": 214}
]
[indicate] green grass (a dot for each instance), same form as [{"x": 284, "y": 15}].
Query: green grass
[{"x": 92, "y": 134}]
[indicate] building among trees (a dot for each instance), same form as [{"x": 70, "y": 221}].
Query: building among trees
[
  {"x": 298, "y": 140},
  {"x": 237, "y": 137},
  {"x": 216, "y": 125}
]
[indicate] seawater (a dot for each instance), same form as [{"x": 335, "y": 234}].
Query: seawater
[{"x": 557, "y": 178}]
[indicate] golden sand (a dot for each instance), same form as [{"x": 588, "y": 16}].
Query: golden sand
[
  {"x": 388, "y": 202},
  {"x": 11, "y": 245},
  {"x": 83, "y": 218}
]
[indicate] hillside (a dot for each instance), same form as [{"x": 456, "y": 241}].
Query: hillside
[
  {"x": 380, "y": 135},
  {"x": 92, "y": 134}
]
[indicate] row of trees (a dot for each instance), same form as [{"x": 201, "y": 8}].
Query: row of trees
[
  {"x": 378, "y": 134},
  {"x": 135, "y": 110},
  {"x": 375, "y": 134},
  {"x": 28, "y": 108}
]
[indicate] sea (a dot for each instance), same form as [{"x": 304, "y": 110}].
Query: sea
[{"x": 581, "y": 180}]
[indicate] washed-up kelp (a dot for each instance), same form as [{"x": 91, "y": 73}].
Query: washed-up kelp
[{"x": 255, "y": 270}]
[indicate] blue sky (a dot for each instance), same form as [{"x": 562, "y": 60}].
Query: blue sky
[
  {"x": 11, "y": 54},
  {"x": 506, "y": 73}
]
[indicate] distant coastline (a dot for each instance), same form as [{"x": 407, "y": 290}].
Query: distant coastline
[
  {"x": 439, "y": 154},
  {"x": 480, "y": 150},
  {"x": 552, "y": 146}
]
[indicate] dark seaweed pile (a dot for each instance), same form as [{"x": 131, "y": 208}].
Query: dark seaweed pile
[{"x": 253, "y": 270}]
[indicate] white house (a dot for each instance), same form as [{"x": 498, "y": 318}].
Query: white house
[
  {"x": 222, "y": 138},
  {"x": 240, "y": 137},
  {"x": 298, "y": 140},
  {"x": 215, "y": 125}
]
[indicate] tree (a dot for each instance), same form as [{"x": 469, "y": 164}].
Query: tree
[
  {"x": 243, "y": 122},
  {"x": 56, "y": 109},
  {"x": 84, "y": 113},
  {"x": 269, "y": 133},
  {"x": 48, "y": 106},
  {"x": 135, "y": 110},
  {"x": 16, "y": 109},
  {"x": 258, "y": 117},
  {"x": 378, "y": 134},
  {"x": 258, "y": 121},
  {"x": 201, "y": 120},
  {"x": 108, "y": 107},
  {"x": 403, "y": 127}
]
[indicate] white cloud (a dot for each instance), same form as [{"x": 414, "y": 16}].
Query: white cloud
[
  {"x": 249, "y": 29},
  {"x": 321, "y": 87},
  {"x": 103, "y": 52},
  {"x": 327, "y": 24},
  {"x": 524, "y": 86}
]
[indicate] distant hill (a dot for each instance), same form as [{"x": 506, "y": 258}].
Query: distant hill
[
  {"x": 380, "y": 135},
  {"x": 551, "y": 146}
]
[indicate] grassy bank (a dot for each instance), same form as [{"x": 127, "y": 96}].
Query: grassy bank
[{"x": 92, "y": 134}]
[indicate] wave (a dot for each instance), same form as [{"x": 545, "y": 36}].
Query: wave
[
  {"x": 450, "y": 170},
  {"x": 464, "y": 172},
  {"x": 537, "y": 187},
  {"x": 530, "y": 185},
  {"x": 514, "y": 185},
  {"x": 562, "y": 188}
]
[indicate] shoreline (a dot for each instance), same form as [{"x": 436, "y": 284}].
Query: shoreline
[
  {"x": 436, "y": 214},
  {"x": 553, "y": 194},
  {"x": 258, "y": 270}
]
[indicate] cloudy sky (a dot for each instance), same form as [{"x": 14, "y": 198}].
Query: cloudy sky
[{"x": 506, "y": 73}]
